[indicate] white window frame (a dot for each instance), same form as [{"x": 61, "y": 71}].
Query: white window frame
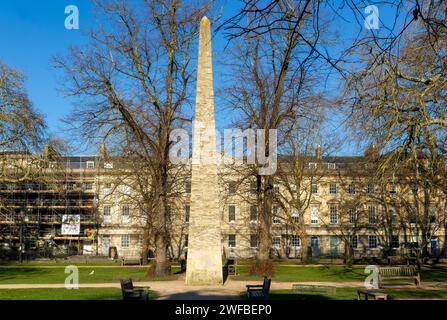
[
  {"x": 392, "y": 242},
  {"x": 185, "y": 241},
  {"x": 107, "y": 217},
  {"x": 276, "y": 244},
  {"x": 90, "y": 164},
  {"x": 229, "y": 213},
  {"x": 232, "y": 242},
  {"x": 125, "y": 241},
  {"x": 312, "y": 165},
  {"x": 314, "y": 215},
  {"x": 293, "y": 188},
  {"x": 352, "y": 214},
  {"x": 314, "y": 188},
  {"x": 251, "y": 241},
  {"x": 232, "y": 188},
  {"x": 376, "y": 242},
  {"x": 332, "y": 188},
  {"x": 140, "y": 240},
  {"x": 294, "y": 239},
  {"x": 355, "y": 239},
  {"x": 352, "y": 188},
  {"x": 276, "y": 215},
  {"x": 187, "y": 212},
  {"x": 333, "y": 215},
  {"x": 125, "y": 213},
  {"x": 295, "y": 215},
  {"x": 88, "y": 186},
  {"x": 331, "y": 166},
  {"x": 394, "y": 216},
  {"x": 372, "y": 214},
  {"x": 251, "y": 217}
]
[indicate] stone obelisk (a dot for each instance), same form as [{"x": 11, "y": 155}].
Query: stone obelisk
[{"x": 204, "y": 262}]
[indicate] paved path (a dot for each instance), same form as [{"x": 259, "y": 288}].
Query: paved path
[{"x": 177, "y": 290}]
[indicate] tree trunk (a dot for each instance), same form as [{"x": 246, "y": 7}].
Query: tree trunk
[
  {"x": 162, "y": 265},
  {"x": 265, "y": 220},
  {"x": 145, "y": 249},
  {"x": 304, "y": 244}
]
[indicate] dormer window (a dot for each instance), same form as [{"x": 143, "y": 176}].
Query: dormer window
[
  {"x": 90, "y": 164},
  {"x": 107, "y": 165},
  {"x": 331, "y": 166}
]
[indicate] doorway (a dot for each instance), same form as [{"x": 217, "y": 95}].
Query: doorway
[
  {"x": 334, "y": 242},
  {"x": 105, "y": 245},
  {"x": 315, "y": 246}
]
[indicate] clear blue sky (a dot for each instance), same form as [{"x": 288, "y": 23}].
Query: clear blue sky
[{"x": 32, "y": 32}]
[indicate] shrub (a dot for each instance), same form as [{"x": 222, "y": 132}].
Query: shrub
[
  {"x": 150, "y": 271},
  {"x": 262, "y": 268}
]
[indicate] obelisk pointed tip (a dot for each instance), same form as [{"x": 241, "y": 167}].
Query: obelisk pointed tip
[{"x": 205, "y": 21}]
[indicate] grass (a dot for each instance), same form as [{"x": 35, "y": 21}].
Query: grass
[
  {"x": 351, "y": 294},
  {"x": 302, "y": 274},
  {"x": 64, "y": 294},
  {"x": 333, "y": 273},
  {"x": 53, "y": 272},
  {"x": 39, "y": 274}
]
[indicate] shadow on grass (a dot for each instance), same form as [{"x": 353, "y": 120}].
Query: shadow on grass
[
  {"x": 291, "y": 296},
  {"x": 7, "y": 274},
  {"x": 434, "y": 273}
]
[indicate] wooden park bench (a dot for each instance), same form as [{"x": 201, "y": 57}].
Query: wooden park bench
[
  {"x": 375, "y": 295},
  {"x": 133, "y": 293},
  {"x": 396, "y": 273},
  {"x": 306, "y": 289},
  {"x": 125, "y": 261},
  {"x": 259, "y": 292}
]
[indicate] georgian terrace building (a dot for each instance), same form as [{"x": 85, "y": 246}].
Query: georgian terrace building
[{"x": 340, "y": 210}]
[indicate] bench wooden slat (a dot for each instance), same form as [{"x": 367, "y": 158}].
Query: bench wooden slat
[
  {"x": 375, "y": 295},
  {"x": 396, "y": 273},
  {"x": 313, "y": 289}
]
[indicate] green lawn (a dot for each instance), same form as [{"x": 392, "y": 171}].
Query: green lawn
[
  {"x": 39, "y": 274},
  {"x": 351, "y": 294},
  {"x": 61, "y": 262},
  {"x": 333, "y": 273},
  {"x": 64, "y": 294},
  {"x": 54, "y": 273},
  {"x": 299, "y": 273}
]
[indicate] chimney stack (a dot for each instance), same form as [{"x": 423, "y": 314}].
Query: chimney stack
[
  {"x": 102, "y": 150},
  {"x": 318, "y": 152}
]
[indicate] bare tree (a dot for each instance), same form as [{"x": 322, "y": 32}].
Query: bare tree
[
  {"x": 133, "y": 81},
  {"x": 21, "y": 126},
  {"x": 398, "y": 101},
  {"x": 269, "y": 84}
]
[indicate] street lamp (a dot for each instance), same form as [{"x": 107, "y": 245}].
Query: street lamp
[{"x": 21, "y": 218}]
